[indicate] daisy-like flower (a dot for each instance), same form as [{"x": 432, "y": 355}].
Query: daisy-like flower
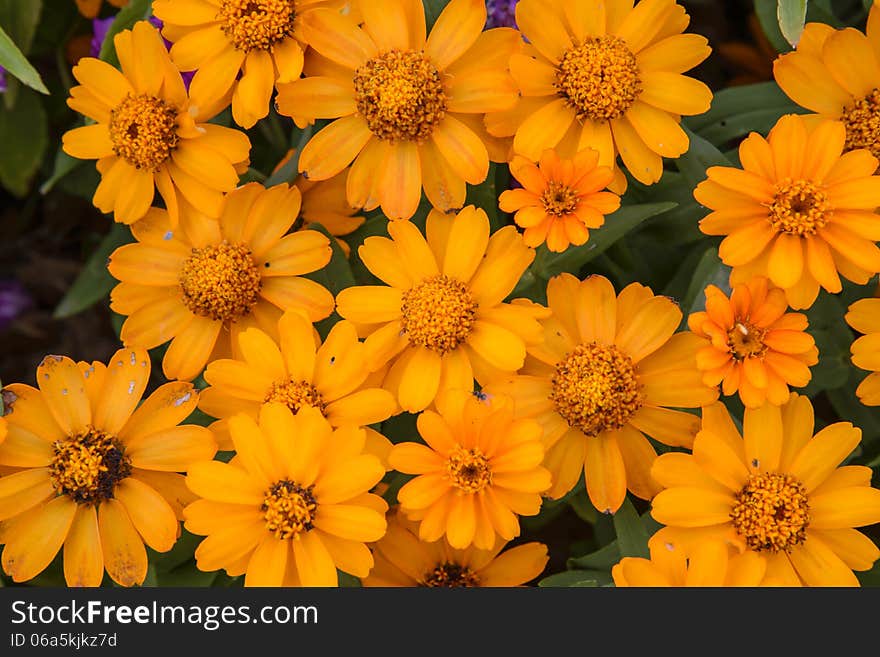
[
  {"x": 776, "y": 490},
  {"x": 94, "y": 472},
  {"x": 439, "y": 320},
  {"x": 402, "y": 104},
  {"x": 710, "y": 563},
  {"x": 864, "y": 317},
  {"x": 754, "y": 346},
  {"x": 404, "y": 560},
  {"x": 479, "y": 471},
  {"x": 238, "y": 48},
  {"x": 798, "y": 211},
  {"x": 297, "y": 371},
  {"x": 147, "y": 134},
  {"x": 605, "y": 75},
  {"x": 91, "y": 8},
  {"x": 836, "y": 73},
  {"x": 295, "y": 505},
  {"x": 202, "y": 285},
  {"x": 559, "y": 199},
  {"x": 607, "y": 372}
]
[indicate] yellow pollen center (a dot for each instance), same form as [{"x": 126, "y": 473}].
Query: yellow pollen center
[
  {"x": 746, "y": 340},
  {"x": 143, "y": 131},
  {"x": 559, "y": 199},
  {"x": 599, "y": 78},
  {"x": 220, "y": 281},
  {"x": 256, "y": 24},
  {"x": 400, "y": 95},
  {"x": 772, "y": 512},
  {"x": 469, "y": 470},
  {"x": 799, "y": 208},
  {"x": 450, "y": 575},
  {"x": 862, "y": 122},
  {"x": 438, "y": 313},
  {"x": 595, "y": 388},
  {"x": 87, "y": 466},
  {"x": 288, "y": 509},
  {"x": 296, "y": 394}
]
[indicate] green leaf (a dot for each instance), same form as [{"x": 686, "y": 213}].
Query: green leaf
[
  {"x": 632, "y": 537},
  {"x": 64, "y": 164},
  {"x": 433, "y": 9},
  {"x": 134, "y": 11},
  {"x": 700, "y": 156},
  {"x": 734, "y": 114},
  {"x": 485, "y": 196},
  {"x": 766, "y": 11},
  {"x": 791, "y": 15},
  {"x": 602, "y": 559},
  {"x": 17, "y": 65},
  {"x": 24, "y": 135},
  {"x": 20, "y": 20},
  {"x": 579, "y": 578},
  {"x": 94, "y": 281}
]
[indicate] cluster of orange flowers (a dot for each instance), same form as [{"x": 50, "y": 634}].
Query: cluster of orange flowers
[{"x": 587, "y": 384}]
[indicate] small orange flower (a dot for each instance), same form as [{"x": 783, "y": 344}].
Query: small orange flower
[
  {"x": 561, "y": 198},
  {"x": 864, "y": 317},
  {"x": 755, "y": 347}
]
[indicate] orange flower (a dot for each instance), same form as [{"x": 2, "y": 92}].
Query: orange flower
[{"x": 864, "y": 317}]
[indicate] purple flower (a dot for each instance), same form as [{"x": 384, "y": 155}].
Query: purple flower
[
  {"x": 14, "y": 300},
  {"x": 500, "y": 13},
  {"x": 100, "y": 27},
  {"x": 2, "y": 79}
]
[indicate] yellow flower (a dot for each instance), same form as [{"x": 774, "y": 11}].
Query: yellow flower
[
  {"x": 238, "y": 48},
  {"x": 297, "y": 371},
  {"x": 776, "y": 491},
  {"x": 836, "y": 73},
  {"x": 91, "y": 8},
  {"x": 440, "y": 320},
  {"x": 608, "y": 76},
  {"x": 560, "y": 199},
  {"x": 479, "y": 471},
  {"x": 401, "y": 102},
  {"x": 798, "y": 211},
  {"x": 864, "y": 317},
  {"x": 609, "y": 368},
  {"x": 404, "y": 560},
  {"x": 147, "y": 135},
  {"x": 293, "y": 507},
  {"x": 710, "y": 563},
  {"x": 94, "y": 473},
  {"x": 203, "y": 284},
  {"x": 754, "y": 346}
]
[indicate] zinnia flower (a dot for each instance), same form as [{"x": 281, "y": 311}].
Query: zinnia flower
[
  {"x": 297, "y": 371},
  {"x": 775, "y": 490},
  {"x": 797, "y": 211},
  {"x": 294, "y": 507},
  {"x": 711, "y": 563},
  {"x": 755, "y": 347},
  {"x": 404, "y": 560},
  {"x": 148, "y": 135},
  {"x": 478, "y": 472},
  {"x": 202, "y": 285},
  {"x": 559, "y": 199},
  {"x": 440, "y": 320},
  {"x": 608, "y": 76},
  {"x": 608, "y": 370},
  {"x": 401, "y": 102},
  {"x": 864, "y": 317},
  {"x": 95, "y": 472}
]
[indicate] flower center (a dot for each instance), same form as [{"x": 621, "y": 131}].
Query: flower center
[
  {"x": 595, "y": 388},
  {"x": 296, "y": 394},
  {"x": 746, "y": 340},
  {"x": 559, "y": 199},
  {"x": 772, "y": 512},
  {"x": 450, "y": 575},
  {"x": 143, "y": 130},
  {"x": 288, "y": 509},
  {"x": 400, "y": 95},
  {"x": 438, "y": 313},
  {"x": 256, "y": 24},
  {"x": 469, "y": 470},
  {"x": 599, "y": 78},
  {"x": 862, "y": 122},
  {"x": 799, "y": 207},
  {"x": 87, "y": 466},
  {"x": 220, "y": 281}
]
